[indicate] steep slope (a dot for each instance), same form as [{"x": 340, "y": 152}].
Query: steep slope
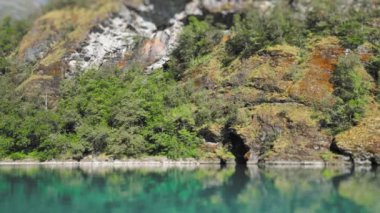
[
  {"x": 283, "y": 93},
  {"x": 106, "y": 33},
  {"x": 266, "y": 86}
]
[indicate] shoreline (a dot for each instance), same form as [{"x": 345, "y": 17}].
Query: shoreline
[{"x": 175, "y": 163}]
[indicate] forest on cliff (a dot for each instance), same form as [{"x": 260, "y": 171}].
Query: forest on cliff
[{"x": 295, "y": 80}]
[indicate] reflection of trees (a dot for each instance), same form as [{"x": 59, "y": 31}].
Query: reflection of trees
[
  {"x": 235, "y": 184},
  {"x": 359, "y": 187},
  {"x": 239, "y": 189},
  {"x": 336, "y": 180}
]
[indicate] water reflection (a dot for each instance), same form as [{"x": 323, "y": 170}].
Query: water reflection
[{"x": 210, "y": 189}]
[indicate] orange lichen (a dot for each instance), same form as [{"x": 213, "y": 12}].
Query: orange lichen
[
  {"x": 151, "y": 50},
  {"x": 315, "y": 87},
  {"x": 226, "y": 38},
  {"x": 325, "y": 53},
  {"x": 326, "y": 58},
  {"x": 365, "y": 57}
]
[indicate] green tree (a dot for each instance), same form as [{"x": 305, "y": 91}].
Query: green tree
[
  {"x": 351, "y": 94},
  {"x": 255, "y": 30},
  {"x": 197, "y": 39},
  {"x": 11, "y": 32}
]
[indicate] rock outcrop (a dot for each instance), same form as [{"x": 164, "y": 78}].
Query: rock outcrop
[
  {"x": 281, "y": 91},
  {"x": 63, "y": 43},
  {"x": 362, "y": 142}
]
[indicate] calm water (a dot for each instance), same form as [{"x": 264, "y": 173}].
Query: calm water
[{"x": 34, "y": 189}]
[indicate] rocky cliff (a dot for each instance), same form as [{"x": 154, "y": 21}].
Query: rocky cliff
[{"x": 281, "y": 88}]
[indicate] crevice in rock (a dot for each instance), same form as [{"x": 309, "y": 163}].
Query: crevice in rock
[
  {"x": 374, "y": 162},
  {"x": 335, "y": 149},
  {"x": 209, "y": 136},
  {"x": 237, "y": 147}
]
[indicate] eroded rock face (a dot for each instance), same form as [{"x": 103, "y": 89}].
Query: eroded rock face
[
  {"x": 67, "y": 42},
  {"x": 278, "y": 120},
  {"x": 139, "y": 33},
  {"x": 362, "y": 142},
  {"x": 143, "y": 32},
  {"x": 284, "y": 132},
  {"x": 110, "y": 41}
]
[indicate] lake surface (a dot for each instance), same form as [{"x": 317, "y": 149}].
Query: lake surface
[{"x": 86, "y": 189}]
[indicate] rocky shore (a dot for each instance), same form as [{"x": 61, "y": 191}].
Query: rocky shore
[{"x": 165, "y": 162}]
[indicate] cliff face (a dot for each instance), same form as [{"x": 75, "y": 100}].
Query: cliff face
[
  {"x": 65, "y": 42},
  {"x": 281, "y": 88},
  {"x": 282, "y": 93}
]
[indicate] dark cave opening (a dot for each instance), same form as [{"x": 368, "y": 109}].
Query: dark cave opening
[{"x": 238, "y": 148}]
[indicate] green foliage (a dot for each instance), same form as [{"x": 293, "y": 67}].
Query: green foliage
[
  {"x": 255, "y": 30},
  {"x": 351, "y": 25},
  {"x": 373, "y": 68},
  {"x": 224, "y": 154},
  {"x": 351, "y": 92},
  {"x": 324, "y": 16},
  {"x": 197, "y": 39},
  {"x": 129, "y": 114},
  {"x": 11, "y": 32},
  {"x": 23, "y": 126},
  {"x": 4, "y": 65},
  {"x": 121, "y": 114},
  {"x": 17, "y": 156}
]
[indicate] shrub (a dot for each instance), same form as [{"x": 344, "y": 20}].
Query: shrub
[
  {"x": 249, "y": 36},
  {"x": 129, "y": 114},
  {"x": 350, "y": 24},
  {"x": 4, "y": 65},
  {"x": 197, "y": 39},
  {"x": 324, "y": 16},
  {"x": 255, "y": 30},
  {"x": 17, "y": 156},
  {"x": 351, "y": 94},
  {"x": 373, "y": 68},
  {"x": 11, "y": 32}
]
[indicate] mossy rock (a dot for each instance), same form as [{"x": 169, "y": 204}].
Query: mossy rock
[
  {"x": 284, "y": 132},
  {"x": 362, "y": 142}
]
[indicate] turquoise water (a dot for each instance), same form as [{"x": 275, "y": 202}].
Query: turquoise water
[{"x": 55, "y": 190}]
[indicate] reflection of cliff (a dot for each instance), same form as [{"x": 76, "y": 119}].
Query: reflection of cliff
[
  {"x": 295, "y": 190},
  {"x": 360, "y": 187},
  {"x": 240, "y": 189},
  {"x": 234, "y": 186}
]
